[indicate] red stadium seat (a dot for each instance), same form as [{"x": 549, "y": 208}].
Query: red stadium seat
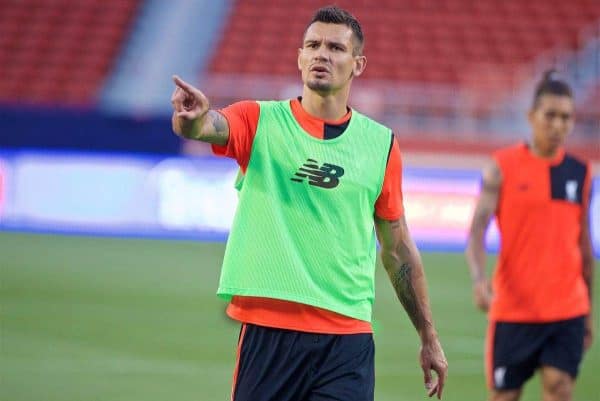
[
  {"x": 442, "y": 38},
  {"x": 42, "y": 44}
]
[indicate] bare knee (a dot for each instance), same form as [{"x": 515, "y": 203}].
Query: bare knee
[{"x": 557, "y": 385}]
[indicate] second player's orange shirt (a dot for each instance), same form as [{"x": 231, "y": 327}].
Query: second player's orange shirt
[
  {"x": 243, "y": 119},
  {"x": 539, "y": 275}
]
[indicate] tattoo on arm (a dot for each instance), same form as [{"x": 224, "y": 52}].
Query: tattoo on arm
[
  {"x": 403, "y": 265},
  {"x": 219, "y": 124},
  {"x": 217, "y": 127},
  {"x": 394, "y": 225},
  {"x": 403, "y": 285}
]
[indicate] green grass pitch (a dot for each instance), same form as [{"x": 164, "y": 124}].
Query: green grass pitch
[{"x": 99, "y": 319}]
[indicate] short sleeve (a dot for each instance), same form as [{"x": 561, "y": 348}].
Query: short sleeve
[
  {"x": 242, "y": 118},
  {"x": 389, "y": 205}
]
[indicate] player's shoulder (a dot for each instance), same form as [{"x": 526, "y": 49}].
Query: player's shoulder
[
  {"x": 511, "y": 151},
  {"x": 368, "y": 120},
  {"x": 243, "y": 104},
  {"x": 576, "y": 161},
  {"x": 275, "y": 107},
  {"x": 575, "y": 165},
  {"x": 242, "y": 107},
  {"x": 510, "y": 157},
  {"x": 373, "y": 127},
  {"x": 273, "y": 104}
]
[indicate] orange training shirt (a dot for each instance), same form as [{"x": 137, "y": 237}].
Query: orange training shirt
[
  {"x": 538, "y": 277},
  {"x": 242, "y": 118}
]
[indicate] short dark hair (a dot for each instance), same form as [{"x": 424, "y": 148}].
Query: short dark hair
[
  {"x": 336, "y": 15},
  {"x": 549, "y": 85}
]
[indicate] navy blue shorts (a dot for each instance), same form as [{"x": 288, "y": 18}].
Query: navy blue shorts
[
  {"x": 518, "y": 349},
  {"x": 285, "y": 365}
]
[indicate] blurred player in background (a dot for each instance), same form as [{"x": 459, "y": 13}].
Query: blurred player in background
[
  {"x": 299, "y": 265},
  {"x": 540, "y": 303}
]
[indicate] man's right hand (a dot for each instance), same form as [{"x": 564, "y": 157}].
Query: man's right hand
[
  {"x": 188, "y": 102},
  {"x": 192, "y": 117},
  {"x": 190, "y": 108},
  {"x": 482, "y": 294}
]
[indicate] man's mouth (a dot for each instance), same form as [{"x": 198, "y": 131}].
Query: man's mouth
[
  {"x": 554, "y": 139},
  {"x": 319, "y": 69}
]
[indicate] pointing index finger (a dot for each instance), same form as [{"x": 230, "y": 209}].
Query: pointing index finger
[{"x": 182, "y": 84}]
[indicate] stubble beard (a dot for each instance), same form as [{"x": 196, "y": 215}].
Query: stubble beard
[{"x": 318, "y": 86}]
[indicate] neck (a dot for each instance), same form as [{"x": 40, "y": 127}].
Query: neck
[
  {"x": 329, "y": 107},
  {"x": 543, "y": 153}
]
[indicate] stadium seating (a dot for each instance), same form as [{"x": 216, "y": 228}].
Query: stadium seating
[
  {"x": 594, "y": 101},
  {"x": 589, "y": 106},
  {"x": 433, "y": 41},
  {"x": 447, "y": 67},
  {"x": 59, "y": 51}
]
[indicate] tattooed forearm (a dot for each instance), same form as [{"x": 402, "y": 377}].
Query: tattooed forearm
[
  {"x": 403, "y": 285},
  {"x": 218, "y": 123},
  {"x": 214, "y": 128},
  {"x": 402, "y": 262}
]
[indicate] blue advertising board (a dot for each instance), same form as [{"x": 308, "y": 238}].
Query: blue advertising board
[{"x": 194, "y": 198}]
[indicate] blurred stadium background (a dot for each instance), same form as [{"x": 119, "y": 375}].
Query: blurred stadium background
[{"x": 123, "y": 307}]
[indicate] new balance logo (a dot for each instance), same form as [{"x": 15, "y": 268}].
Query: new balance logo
[{"x": 325, "y": 176}]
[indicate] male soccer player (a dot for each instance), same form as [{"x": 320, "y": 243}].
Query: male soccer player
[
  {"x": 540, "y": 306},
  {"x": 299, "y": 265}
]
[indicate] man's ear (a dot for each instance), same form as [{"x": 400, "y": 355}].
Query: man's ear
[{"x": 360, "y": 63}]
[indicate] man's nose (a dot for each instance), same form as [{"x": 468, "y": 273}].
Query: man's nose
[
  {"x": 321, "y": 53},
  {"x": 557, "y": 123}
]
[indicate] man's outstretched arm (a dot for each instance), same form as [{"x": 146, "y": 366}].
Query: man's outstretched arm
[
  {"x": 192, "y": 117},
  {"x": 402, "y": 262}
]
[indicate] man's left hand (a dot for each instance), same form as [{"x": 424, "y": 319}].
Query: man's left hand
[{"x": 432, "y": 358}]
